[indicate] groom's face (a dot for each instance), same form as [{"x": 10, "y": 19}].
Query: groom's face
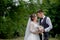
[{"x": 40, "y": 15}]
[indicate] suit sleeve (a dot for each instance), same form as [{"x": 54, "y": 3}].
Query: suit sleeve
[{"x": 48, "y": 21}]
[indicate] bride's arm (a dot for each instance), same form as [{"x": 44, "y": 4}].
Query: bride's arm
[{"x": 33, "y": 30}]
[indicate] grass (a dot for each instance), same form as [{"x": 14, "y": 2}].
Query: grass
[{"x": 21, "y": 38}]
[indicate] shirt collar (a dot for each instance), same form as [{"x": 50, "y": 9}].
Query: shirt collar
[{"x": 43, "y": 16}]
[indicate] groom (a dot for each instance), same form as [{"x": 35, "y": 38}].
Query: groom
[{"x": 46, "y": 23}]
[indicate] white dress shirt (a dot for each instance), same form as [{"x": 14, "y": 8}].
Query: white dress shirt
[{"x": 48, "y": 21}]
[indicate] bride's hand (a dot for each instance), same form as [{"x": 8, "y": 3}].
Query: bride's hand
[
  {"x": 41, "y": 29},
  {"x": 37, "y": 32}
]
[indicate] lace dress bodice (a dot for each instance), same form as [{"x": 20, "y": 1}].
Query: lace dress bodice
[{"x": 33, "y": 27}]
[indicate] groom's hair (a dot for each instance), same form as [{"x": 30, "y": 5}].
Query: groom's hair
[{"x": 39, "y": 11}]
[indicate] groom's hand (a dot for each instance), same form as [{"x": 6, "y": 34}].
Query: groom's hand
[{"x": 42, "y": 30}]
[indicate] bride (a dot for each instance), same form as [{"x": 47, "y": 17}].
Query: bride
[{"x": 33, "y": 29}]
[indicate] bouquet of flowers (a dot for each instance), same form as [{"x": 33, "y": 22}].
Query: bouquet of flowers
[{"x": 41, "y": 29}]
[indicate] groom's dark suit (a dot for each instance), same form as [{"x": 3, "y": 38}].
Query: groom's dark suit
[{"x": 46, "y": 23}]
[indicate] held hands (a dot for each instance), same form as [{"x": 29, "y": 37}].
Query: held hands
[{"x": 41, "y": 29}]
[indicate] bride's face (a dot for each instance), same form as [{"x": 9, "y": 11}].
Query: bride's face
[{"x": 35, "y": 18}]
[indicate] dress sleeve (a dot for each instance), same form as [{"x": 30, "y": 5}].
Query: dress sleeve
[{"x": 32, "y": 28}]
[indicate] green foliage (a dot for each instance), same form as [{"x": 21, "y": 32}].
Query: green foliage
[{"x": 15, "y": 19}]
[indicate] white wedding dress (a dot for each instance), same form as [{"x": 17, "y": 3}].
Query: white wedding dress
[
  {"x": 30, "y": 30},
  {"x": 33, "y": 28}
]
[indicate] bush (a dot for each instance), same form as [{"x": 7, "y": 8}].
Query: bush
[{"x": 13, "y": 21}]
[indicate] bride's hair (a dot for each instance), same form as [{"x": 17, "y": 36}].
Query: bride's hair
[{"x": 32, "y": 17}]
